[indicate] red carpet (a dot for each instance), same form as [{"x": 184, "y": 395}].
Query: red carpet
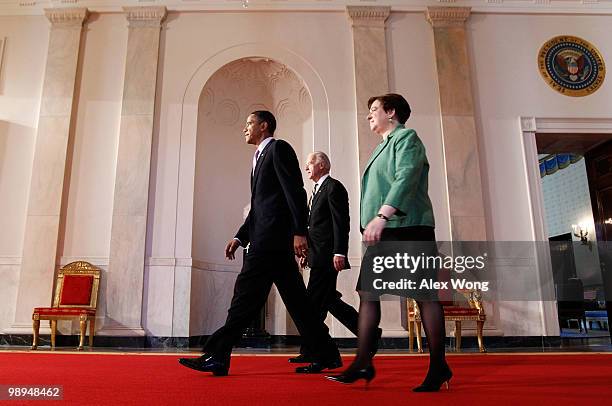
[{"x": 107, "y": 379}]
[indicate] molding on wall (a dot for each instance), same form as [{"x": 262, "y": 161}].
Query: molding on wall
[
  {"x": 103, "y": 261},
  {"x": 35, "y": 7},
  {"x": 161, "y": 261},
  {"x": 96, "y": 261},
  {"x": 566, "y": 125},
  {"x": 10, "y": 261},
  {"x": 214, "y": 267},
  {"x": 157, "y": 261}
]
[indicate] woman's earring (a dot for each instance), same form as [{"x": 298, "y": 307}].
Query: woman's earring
[{"x": 390, "y": 119}]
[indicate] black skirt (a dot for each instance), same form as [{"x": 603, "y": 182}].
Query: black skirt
[{"x": 415, "y": 241}]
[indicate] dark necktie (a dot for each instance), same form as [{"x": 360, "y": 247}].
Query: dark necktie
[
  {"x": 255, "y": 157},
  {"x": 314, "y": 192}
]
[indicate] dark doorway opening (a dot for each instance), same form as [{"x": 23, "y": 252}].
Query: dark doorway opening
[
  {"x": 599, "y": 171},
  {"x": 579, "y": 249}
]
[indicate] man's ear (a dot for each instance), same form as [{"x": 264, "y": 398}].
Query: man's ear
[{"x": 264, "y": 126}]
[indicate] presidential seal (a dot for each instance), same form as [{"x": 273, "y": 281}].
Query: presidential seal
[{"x": 571, "y": 66}]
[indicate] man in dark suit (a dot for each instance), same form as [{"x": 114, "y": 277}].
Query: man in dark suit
[
  {"x": 328, "y": 235},
  {"x": 274, "y": 230}
]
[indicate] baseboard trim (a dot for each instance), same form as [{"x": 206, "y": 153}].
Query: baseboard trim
[{"x": 282, "y": 341}]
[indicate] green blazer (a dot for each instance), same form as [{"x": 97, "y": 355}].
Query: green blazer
[{"x": 397, "y": 175}]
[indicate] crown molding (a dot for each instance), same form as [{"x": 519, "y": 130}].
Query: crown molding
[
  {"x": 566, "y": 125},
  {"x": 37, "y": 7}
]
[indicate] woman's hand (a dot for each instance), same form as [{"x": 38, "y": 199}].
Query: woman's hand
[{"x": 373, "y": 231}]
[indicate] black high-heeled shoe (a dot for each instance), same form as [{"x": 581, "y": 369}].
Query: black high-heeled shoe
[
  {"x": 432, "y": 383},
  {"x": 350, "y": 376}
]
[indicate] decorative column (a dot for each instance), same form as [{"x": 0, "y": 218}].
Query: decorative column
[
  {"x": 124, "y": 293},
  {"x": 49, "y": 166},
  {"x": 464, "y": 181},
  {"x": 371, "y": 74},
  {"x": 458, "y": 124},
  {"x": 372, "y": 79}
]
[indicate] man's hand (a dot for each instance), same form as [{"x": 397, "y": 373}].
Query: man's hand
[
  {"x": 303, "y": 262},
  {"x": 231, "y": 248},
  {"x": 374, "y": 230},
  {"x": 300, "y": 245},
  {"x": 339, "y": 263}
]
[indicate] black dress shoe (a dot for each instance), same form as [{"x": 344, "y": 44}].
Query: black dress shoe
[
  {"x": 318, "y": 366},
  {"x": 206, "y": 363},
  {"x": 300, "y": 359}
]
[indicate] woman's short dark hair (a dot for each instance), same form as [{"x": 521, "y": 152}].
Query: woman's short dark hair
[
  {"x": 391, "y": 101},
  {"x": 265, "y": 116}
]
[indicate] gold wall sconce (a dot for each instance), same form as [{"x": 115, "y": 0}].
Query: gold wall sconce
[{"x": 581, "y": 231}]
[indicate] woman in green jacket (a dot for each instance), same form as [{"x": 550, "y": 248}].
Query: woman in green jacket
[{"x": 395, "y": 206}]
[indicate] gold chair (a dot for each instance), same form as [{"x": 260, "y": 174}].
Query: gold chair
[
  {"x": 452, "y": 312},
  {"x": 76, "y": 297}
]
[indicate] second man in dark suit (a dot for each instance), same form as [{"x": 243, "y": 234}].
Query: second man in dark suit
[{"x": 328, "y": 235}]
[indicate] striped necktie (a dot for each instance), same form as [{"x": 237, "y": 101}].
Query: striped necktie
[
  {"x": 255, "y": 157},
  {"x": 314, "y": 192}
]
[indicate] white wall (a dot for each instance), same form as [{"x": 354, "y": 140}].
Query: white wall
[
  {"x": 20, "y": 91},
  {"x": 288, "y": 34},
  {"x": 412, "y": 73},
  {"x": 90, "y": 194},
  {"x": 507, "y": 85},
  {"x": 92, "y": 156},
  {"x": 21, "y": 78}
]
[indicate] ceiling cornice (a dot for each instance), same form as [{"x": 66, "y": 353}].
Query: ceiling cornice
[{"x": 36, "y": 7}]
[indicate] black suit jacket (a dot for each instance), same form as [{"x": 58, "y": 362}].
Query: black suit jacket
[
  {"x": 278, "y": 201},
  {"x": 328, "y": 224}
]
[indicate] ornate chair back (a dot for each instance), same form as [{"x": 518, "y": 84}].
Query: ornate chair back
[{"x": 77, "y": 285}]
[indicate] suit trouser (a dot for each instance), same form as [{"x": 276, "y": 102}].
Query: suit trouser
[
  {"x": 251, "y": 290},
  {"x": 324, "y": 298}
]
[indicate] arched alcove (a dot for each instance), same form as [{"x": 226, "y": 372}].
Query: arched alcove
[
  {"x": 223, "y": 163},
  {"x": 191, "y": 304}
]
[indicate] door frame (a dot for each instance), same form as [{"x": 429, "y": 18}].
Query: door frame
[{"x": 529, "y": 126}]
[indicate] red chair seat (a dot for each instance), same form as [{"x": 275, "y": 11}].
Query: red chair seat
[
  {"x": 64, "y": 311},
  {"x": 460, "y": 311},
  {"x": 455, "y": 311}
]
